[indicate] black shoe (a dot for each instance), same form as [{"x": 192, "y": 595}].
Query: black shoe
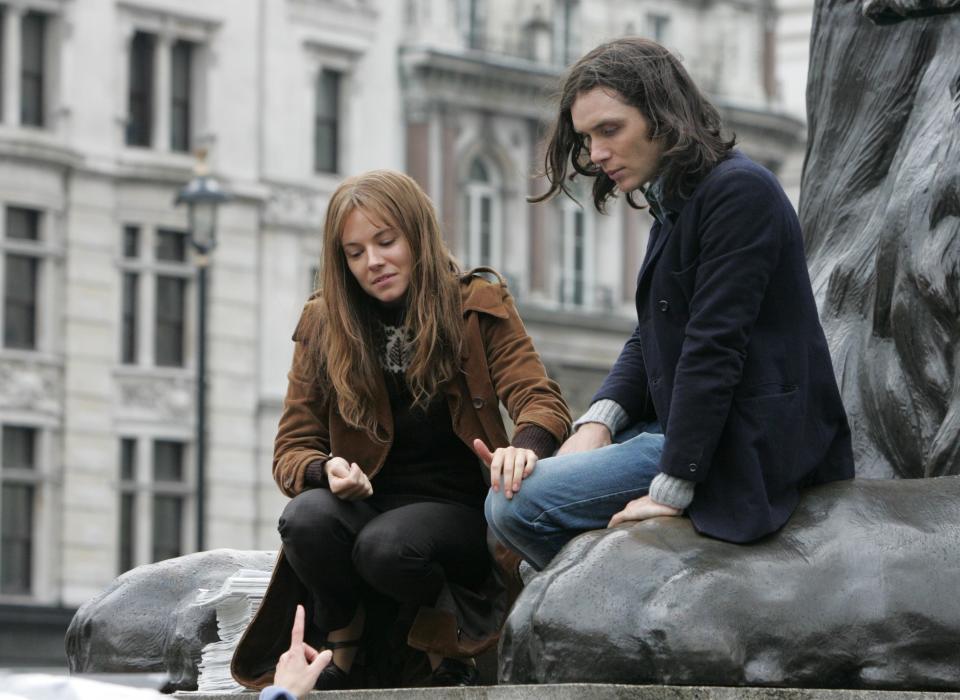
[
  {"x": 453, "y": 672},
  {"x": 332, "y": 678}
]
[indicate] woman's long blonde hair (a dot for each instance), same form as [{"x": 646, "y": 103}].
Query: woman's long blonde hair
[{"x": 346, "y": 351}]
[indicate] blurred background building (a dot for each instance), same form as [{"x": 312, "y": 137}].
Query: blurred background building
[{"x": 103, "y": 103}]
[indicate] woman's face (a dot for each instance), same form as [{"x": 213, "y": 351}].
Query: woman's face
[{"x": 379, "y": 257}]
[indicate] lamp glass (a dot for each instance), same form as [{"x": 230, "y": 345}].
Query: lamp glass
[{"x": 203, "y": 220}]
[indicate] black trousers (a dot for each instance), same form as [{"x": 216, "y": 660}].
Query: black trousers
[{"x": 398, "y": 548}]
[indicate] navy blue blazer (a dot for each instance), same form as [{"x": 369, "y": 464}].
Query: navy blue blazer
[{"x": 730, "y": 356}]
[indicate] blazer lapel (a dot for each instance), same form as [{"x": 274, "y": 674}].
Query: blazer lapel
[{"x": 658, "y": 237}]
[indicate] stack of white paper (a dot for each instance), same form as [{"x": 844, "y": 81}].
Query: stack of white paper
[{"x": 236, "y": 602}]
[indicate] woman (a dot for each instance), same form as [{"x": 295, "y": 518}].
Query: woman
[{"x": 399, "y": 365}]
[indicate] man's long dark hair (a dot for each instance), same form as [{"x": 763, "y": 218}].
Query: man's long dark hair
[{"x": 650, "y": 78}]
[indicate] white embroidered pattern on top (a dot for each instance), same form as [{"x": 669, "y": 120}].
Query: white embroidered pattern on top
[{"x": 395, "y": 357}]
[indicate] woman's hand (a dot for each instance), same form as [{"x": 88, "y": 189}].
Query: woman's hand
[
  {"x": 642, "y": 509},
  {"x": 514, "y": 464},
  {"x": 299, "y": 666},
  {"x": 347, "y": 480}
]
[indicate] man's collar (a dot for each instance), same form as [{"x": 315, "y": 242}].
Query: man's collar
[
  {"x": 661, "y": 203},
  {"x": 655, "y": 198}
]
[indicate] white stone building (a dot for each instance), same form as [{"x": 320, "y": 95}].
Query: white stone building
[{"x": 102, "y": 103}]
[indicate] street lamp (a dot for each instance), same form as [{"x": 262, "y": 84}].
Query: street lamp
[{"x": 202, "y": 195}]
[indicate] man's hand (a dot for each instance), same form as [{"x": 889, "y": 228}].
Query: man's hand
[
  {"x": 301, "y": 664},
  {"x": 642, "y": 509},
  {"x": 514, "y": 464},
  {"x": 589, "y": 436},
  {"x": 347, "y": 481}
]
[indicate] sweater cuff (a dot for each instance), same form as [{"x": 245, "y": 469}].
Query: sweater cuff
[
  {"x": 607, "y": 412},
  {"x": 315, "y": 475},
  {"x": 275, "y": 692},
  {"x": 670, "y": 491},
  {"x": 533, "y": 437}
]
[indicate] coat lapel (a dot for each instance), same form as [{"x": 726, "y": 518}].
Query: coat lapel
[{"x": 658, "y": 237}]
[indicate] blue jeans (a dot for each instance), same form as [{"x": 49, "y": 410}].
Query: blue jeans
[{"x": 571, "y": 494}]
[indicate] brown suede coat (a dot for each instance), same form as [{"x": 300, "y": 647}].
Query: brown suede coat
[{"x": 500, "y": 365}]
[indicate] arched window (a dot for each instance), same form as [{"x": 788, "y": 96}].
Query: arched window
[{"x": 482, "y": 216}]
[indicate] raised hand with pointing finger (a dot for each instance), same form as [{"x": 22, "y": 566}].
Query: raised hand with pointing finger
[{"x": 299, "y": 666}]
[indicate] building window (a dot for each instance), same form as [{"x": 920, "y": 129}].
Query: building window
[
  {"x": 131, "y": 298},
  {"x": 128, "y": 497},
  {"x": 575, "y": 288},
  {"x": 21, "y": 277},
  {"x": 658, "y": 26},
  {"x": 164, "y": 76},
  {"x": 180, "y": 90},
  {"x": 153, "y": 501},
  {"x": 168, "y": 499},
  {"x": 18, "y": 476},
  {"x": 326, "y": 131},
  {"x": 140, "y": 94},
  {"x": 566, "y": 27},
  {"x": 481, "y": 209},
  {"x": 155, "y": 287},
  {"x": 171, "y": 300},
  {"x": 32, "y": 53},
  {"x": 476, "y": 12}
]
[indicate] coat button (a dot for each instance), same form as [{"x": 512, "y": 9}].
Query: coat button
[
  {"x": 663, "y": 304},
  {"x": 477, "y": 402},
  {"x": 693, "y": 467}
]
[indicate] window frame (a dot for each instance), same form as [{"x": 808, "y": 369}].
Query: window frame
[
  {"x": 139, "y": 133},
  {"x": 144, "y": 490},
  {"x": 149, "y": 270},
  {"x": 34, "y": 75},
  {"x": 43, "y": 248},
  {"x": 182, "y": 100},
  {"x": 36, "y": 478},
  {"x": 333, "y": 121},
  {"x": 570, "y": 213},
  {"x": 476, "y": 193},
  {"x": 168, "y": 29},
  {"x": 658, "y": 26}
]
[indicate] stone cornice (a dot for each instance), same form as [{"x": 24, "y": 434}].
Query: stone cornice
[
  {"x": 782, "y": 126},
  {"x": 477, "y": 80}
]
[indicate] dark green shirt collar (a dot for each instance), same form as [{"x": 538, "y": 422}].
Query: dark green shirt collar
[
  {"x": 661, "y": 204},
  {"x": 655, "y": 198}
]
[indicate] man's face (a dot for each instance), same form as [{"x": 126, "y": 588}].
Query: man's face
[{"x": 616, "y": 135}]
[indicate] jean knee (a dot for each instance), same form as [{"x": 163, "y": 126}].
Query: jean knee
[{"x": 509, "y": 516}]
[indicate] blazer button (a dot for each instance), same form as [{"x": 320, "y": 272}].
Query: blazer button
[
  {"x": 477, "y": 402},
  {"x": 663, "y": 304},
  {"x": 693, "y": 467}
]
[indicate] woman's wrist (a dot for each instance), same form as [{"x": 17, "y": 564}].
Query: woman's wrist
[
  {"x": 536, "y": 439},
  {"x": 316, "y": 474}
]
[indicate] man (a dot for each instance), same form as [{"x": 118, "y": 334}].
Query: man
[{"x": 723, "y": 402}]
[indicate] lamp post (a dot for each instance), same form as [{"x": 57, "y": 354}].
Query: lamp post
[{"x": 202, "y": 195}]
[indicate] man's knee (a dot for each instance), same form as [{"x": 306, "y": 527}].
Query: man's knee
[{"x": 509, "y": 516}]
